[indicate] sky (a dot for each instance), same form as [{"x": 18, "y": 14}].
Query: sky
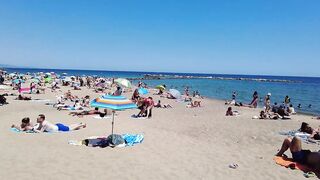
[{"x": 265, "y": 37}]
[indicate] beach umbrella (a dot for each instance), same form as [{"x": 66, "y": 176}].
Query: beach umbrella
[
  {"x": 67, "y": 79},
  {"x": 123, "y": 82},
  {"x": 143, "y": 91},
  {"x": 48, "y": 80},
  {"x": 161, "y": 87},
  {"x": 102, "y": 85},
  {"x": 175, "y": 93},
  {"x": 12, "y": 74},
  {"x": 115, "y": 103},
  {"x": 35, "y": 80}
]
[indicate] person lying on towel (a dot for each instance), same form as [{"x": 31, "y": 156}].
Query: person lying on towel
[
  {"x": 46, "y": 126},
  {"x": 299, "y": 155}
]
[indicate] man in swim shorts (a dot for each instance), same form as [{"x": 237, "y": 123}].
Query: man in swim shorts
[
  {"x": 46, "y": 126},
  {"x": 299, "y": 155}
]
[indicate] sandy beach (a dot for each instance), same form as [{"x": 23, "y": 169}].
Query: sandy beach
[{"x": 180, "y": 143}]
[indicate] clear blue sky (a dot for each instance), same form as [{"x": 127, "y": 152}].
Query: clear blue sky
[{"x": 276, "y": 37}]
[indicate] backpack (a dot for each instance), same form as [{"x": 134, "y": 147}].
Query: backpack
[
  {"x": 115, "y": 140},
  {"x": 3, "y": 100}
]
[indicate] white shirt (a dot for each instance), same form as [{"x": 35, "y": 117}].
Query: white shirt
[{"x": 49, "y": 127}]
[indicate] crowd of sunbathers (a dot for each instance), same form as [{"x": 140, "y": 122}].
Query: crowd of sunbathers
[
  {"x": 191, "y": 103},
  {"x": 275, "y": 111}
]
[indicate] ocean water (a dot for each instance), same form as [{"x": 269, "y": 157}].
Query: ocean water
[{"x": 304, "y": 91}]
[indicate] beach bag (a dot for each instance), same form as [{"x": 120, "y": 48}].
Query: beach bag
[
  {"x": 3, "y": 100},
  {"x": 115, "y": 140}
]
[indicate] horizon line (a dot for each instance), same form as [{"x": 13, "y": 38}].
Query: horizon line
[{"x": 158, "y": 72}]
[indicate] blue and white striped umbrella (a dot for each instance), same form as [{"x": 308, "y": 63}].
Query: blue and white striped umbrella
[{"x": 116, "y": 103}]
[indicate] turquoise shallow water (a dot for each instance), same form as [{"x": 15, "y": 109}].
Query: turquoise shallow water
[
  {"x": 304, "y": 92},
  {"x": 300, "y": 93}
]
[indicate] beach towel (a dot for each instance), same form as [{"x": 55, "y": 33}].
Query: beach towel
[
  {"x": 19, "y": 131},
  {"x": 136, "y": 117},
  {"x": 288, "y": 163},
  {"x": 105, "y": 117},
  {"x": 24, "y": 90},
  {"x": 40, "y": 100},
  {"x": 102, "y": 141},
  {"x": 132, "y": 139},
  {"x": 305, "y": 137}
]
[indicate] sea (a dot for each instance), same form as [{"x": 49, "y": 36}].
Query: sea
[{"x": 303, "y": 90}]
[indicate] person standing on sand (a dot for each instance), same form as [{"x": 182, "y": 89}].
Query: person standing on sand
[
  {"x": 234, "y": 95},
  {"x": 287, "y": 101},
  {"x": 186, "y": 91},
  {"x": 267, "y": 103}
]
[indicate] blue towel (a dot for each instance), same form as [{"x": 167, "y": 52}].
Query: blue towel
[
  {"x": 132, "y": 139},
  {"x": 18, "y": 131},
  {"x": 15, "y": 130}
]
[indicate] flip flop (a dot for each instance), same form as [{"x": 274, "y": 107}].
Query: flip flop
[
  {"x": 309, "y": 174},
  {"x": 233, "y": 166}
]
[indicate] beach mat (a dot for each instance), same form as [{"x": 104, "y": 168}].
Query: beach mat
[
  {"x": 40, "y": 100},
  {"x": 288, "y": 162},
  {"x": 19, "y": 131},
  {"x": 105, "y": 117},
  {"x": 136, "y": 117},
  {"x": 99, "y": 141}
]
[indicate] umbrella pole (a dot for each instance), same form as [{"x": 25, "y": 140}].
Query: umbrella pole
[{"x": 112, "y": 122}]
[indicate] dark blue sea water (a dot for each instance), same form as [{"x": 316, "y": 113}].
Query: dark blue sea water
[{"x": 304, "y": 91}]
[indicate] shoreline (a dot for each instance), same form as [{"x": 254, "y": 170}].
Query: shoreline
[{"x": 259, "y": 107}]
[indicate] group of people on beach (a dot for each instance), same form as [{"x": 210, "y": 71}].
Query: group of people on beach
[
  {"x": 275, "y": 111},
  {"x": 283, "y": 111},
  {"x": 146, "y": 105},
  {"x": 42, "y": 125}
]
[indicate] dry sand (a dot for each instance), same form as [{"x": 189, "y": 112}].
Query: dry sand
[{"x": 180, "y": 143}]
